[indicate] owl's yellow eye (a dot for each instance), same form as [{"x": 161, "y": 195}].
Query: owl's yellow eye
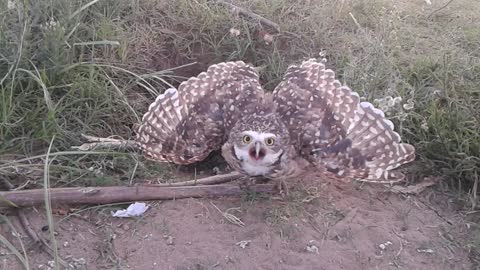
[
  {"x": 269, "y": 141},
  {"x": 246, "y": 139}
]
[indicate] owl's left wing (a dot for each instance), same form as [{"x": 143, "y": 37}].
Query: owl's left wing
[
  {"x": 331, "y": 128},
  {"x": 183, "y": 126}
]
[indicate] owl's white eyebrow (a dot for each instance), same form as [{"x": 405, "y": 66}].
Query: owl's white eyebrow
[{"x": 262, "y": 134}]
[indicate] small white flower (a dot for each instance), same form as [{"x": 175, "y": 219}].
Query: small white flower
[
  {"x": 234, "y": 32},
  {"x": 51, "y": 24},
  {"x": 409, "y": 105},
  {"x": 11, "y": 4},
  {"x": 424, "y": 125},
  {"x": 268, "y": 38},
  {"x": 391, "y": 103}
]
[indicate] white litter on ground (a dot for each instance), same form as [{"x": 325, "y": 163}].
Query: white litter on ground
[{"x": 133, "y": 210}]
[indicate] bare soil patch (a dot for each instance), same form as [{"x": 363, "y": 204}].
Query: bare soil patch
[{"x": 319, "y": 226}]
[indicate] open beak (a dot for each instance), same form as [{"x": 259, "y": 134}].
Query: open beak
[
  {"x": 257, "y": 149},
  {"x": 257, "y": 152}
]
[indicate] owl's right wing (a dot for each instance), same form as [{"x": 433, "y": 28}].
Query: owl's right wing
[
  {"x": 183, "y": 126},
  {"x": 331, "y": 128}
]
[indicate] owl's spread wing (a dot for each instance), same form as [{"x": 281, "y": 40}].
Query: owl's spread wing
[
  {"x": 331, "y": 128},
  {"x": 183, "y": 126}
]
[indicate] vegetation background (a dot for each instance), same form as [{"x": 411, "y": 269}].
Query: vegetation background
[{"x": 92, "y": 67}]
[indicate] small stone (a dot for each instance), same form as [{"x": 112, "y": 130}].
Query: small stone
[
  {"x": 169, "y": 240},
  {"x": 425, "y": 250},
  {"x": 384, "y": 245},
  {"x": 244, "y": 243},
  {"x": 79, "y": 261},
  {"x": 65, "y": 244},
  {"x": 311, "y": 247}
]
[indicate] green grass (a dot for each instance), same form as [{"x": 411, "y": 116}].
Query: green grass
[
  {"x": 72, "y": 67},
  {"x": 93, "y": 67}
]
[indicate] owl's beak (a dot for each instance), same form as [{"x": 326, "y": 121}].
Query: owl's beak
[{"x": 257, "y": 152}]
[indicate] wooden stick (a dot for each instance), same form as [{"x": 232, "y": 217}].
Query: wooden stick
[
  {"x": 109, "y": 143},
  {"x": 210, "y": 180},
  {"x": 241, "y": 11},
  {"x": 107, "y": 195}
]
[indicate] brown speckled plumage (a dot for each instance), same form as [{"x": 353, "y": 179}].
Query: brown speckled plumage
[{"x": 310, "y": 115}]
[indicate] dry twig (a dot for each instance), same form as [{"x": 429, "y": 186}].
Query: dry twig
[
  {"x": 230, "y": 217},
  {"x": 108, "y": 143},
  {"x": 241, "y": 11},
  {"x": 417, "y": 188},
  {"x": 211, "y": 180},
  {"x": 437, "y": 10}
]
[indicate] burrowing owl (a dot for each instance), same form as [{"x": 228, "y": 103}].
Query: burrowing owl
[{"x": 309, "y": 117}]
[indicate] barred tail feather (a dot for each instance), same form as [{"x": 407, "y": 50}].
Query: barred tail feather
[{"x": 374, "y": 136}]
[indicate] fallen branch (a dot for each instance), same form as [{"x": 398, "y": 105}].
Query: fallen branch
[
  {"x": 241, "y": 11},
  {"x": 107, "y": 195},
  {"x": 107, "y": 143},
  {"x": 211, "y": 180}
]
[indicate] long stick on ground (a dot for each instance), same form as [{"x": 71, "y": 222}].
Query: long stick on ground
[
  {"x": 210, "y": 180},
  {"x": 241, "y": 11},
  {"x": 106, "y": 195}
]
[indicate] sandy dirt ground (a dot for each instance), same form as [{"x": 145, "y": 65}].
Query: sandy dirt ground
[{"x": 318, "y": 226}]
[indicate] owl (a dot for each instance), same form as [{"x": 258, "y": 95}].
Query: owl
[{"x": 310, "y": 122}]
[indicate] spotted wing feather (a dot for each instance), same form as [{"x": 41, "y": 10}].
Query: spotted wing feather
[
  {"x": 185, "y": 125},
  {"x": 344, "y": 137}
]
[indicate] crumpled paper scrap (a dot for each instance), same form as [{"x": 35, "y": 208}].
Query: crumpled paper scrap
[{"x": 133, "y": 210}]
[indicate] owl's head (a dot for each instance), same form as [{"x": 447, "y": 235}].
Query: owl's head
[{"x": 259, "y": 141}]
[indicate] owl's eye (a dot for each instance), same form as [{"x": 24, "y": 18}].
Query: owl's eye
[
  {"x": 269, "y": 141},
  {"x": 246, "y": 139}
]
